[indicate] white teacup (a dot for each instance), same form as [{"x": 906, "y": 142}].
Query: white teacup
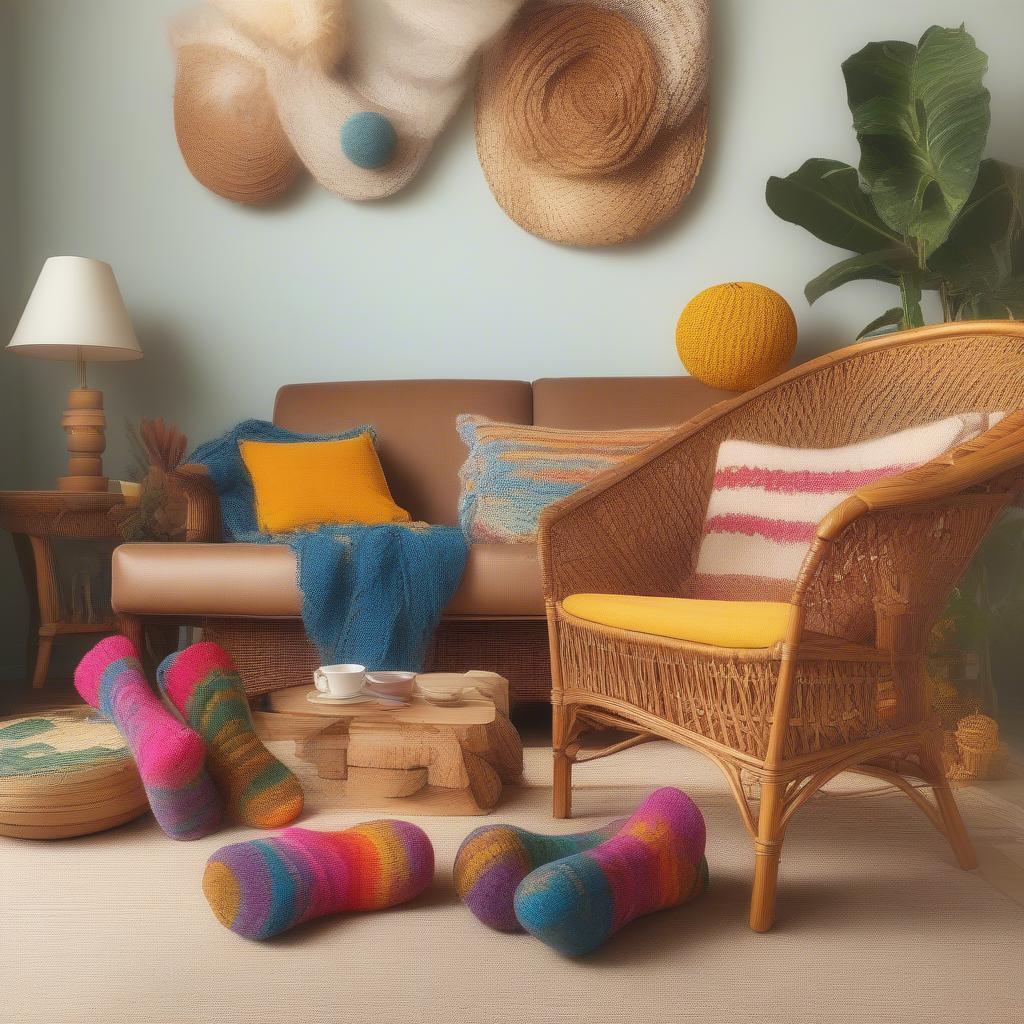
[{"x": 340, "y": 680}]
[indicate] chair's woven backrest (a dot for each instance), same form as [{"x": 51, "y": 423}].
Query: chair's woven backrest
[
  {"x": 870, "y": 390},
  {"x": 879, "y": 387}
]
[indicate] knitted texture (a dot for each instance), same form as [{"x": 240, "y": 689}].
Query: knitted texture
[
  {"x": 296, "y": 484},
  {"x": 170, "y": 756},
  {"x": 202, "y": 684},
  {"x": 736, "y": 336},
  {"x": 370, "y": 594},
  {"x": 262, "y": 887},
  {"x": 369, "y": 139},
  {"x": 767, "y": 501},
  {"x": 231, "y": 480},
  {"x": 494, "y": 859},
  {"x": 655, "y": 861},
  {"x": 513, "y": 472}
]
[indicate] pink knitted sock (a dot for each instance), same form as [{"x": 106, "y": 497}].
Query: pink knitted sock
[{"x": 170, "y": 756}]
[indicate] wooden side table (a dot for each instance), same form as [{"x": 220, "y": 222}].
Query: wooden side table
[{"x": 35, "y": 519}]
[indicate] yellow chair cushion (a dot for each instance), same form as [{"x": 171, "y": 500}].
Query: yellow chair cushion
[
  {"x": 312, "y": 483},
  {"x": 745, "y": 624}
]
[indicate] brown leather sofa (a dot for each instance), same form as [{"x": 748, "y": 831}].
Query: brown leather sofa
[{"x": 245, "y": 595}]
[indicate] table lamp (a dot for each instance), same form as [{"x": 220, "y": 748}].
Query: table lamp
[{"x": 76, "y": 312}]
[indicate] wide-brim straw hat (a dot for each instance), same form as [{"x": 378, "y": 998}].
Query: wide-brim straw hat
[
  {"x": 407, "y": 60},
  {"x": 591, "y": 118}
]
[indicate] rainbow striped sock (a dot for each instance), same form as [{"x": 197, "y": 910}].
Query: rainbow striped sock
[
  {"x": 656, "y": 860},
  {"x": 170, "y": 756},
  {"x": 265, "y": 886},
  {"x": 494, "y": 859},
  {"x": 201, "y": 682}
]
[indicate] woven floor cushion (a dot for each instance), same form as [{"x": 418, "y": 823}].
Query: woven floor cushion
[{"x": 65, "y": 773}]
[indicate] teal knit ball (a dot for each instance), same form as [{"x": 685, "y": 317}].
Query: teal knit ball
[{"x": 368, "y": 139}]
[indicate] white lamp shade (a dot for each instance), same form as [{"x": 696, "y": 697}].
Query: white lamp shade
[{"x": 76, "y": 311}]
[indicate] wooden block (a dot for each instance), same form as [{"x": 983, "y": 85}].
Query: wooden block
[{"x": 386, "y": 783}]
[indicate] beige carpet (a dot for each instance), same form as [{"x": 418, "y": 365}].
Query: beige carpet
[{"x": 875, "y": 924}]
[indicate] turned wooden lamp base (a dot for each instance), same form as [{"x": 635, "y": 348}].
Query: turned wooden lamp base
[{"x": 84, "y": 423}]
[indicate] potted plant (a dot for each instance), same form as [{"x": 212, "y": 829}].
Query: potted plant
[{"x": 922, "y": 210}]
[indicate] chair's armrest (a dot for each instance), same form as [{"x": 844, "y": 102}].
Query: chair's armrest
[
  {"x": 636, "y": 528},
  {"x": 991, "y": 458},
  {"x": 974, "y": 462},
  {"x": 202, "y": 516}
]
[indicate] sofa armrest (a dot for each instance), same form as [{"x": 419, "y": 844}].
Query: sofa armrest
[
  {"x": 202, "y": 516},
  {"x": 635, "y": 529}
]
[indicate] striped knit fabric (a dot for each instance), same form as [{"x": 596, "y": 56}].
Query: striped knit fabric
[
  {"x": 513, "y": 472},
  {"x": 201, "y": 682},
  {"x": 655, "y": 861},
  {"x": 170, "y": 756},
  {"x": 263, "y": 887},
  {"x": 494, "y": 859},
  {"x": 767, "y": 501}
]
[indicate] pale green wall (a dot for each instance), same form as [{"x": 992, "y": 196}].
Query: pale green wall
[
  {"x": 12, "y": 419},
  {"x": 230, "y": 302}
]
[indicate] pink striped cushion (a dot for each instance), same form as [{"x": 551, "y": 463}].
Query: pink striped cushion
[{"x": 767, "y": 501}]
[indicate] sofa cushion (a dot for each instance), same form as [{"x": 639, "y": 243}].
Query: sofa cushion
[
  {"x": 615, "y": 403},
  {"x": 500, "y": 580},
  {"x": 740, "y": 624},
  {"x": 258, "y": 581},
  {"x": 414, "y": 421},
  {"x": 513, "y": 472}
]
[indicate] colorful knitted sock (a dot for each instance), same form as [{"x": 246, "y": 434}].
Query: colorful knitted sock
[
  {"x": 263, "y": 887},
  {"x": 655, "y": 861},
  {"x": 201, "y": 682},
  {"x": 494, "y": 859},
  {"x": 170, "y": 756}
]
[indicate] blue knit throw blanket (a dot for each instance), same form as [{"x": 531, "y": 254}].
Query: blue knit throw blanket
[{"x": 370, "y": 594}]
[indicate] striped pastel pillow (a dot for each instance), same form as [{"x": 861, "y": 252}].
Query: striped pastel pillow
[
  {"x": 767, "y": 501},
  {"x": 513, "y": 472}
]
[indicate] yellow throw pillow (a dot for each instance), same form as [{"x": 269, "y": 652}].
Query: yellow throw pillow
[{"x": 312, "y": 483}]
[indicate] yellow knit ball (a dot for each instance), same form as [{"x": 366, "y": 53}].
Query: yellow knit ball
[{"x": 736, "y": 336}]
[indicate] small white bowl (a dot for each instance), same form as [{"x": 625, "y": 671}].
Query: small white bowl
[
  {"x": 399, "y": 685},
  {"x": 446, "y": 696}
]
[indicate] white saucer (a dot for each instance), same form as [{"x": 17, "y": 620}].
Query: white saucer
[
  {"x": 366, "y": 697},
  {"x": 322, "y": 698}
]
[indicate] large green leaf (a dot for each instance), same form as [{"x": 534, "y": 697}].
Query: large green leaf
[
  {"x": 985, "y": 247},
  {"x": 1006, "y": 303},
  {"x": 881, "y": 265},
  {"x": 890, "y": 320},
  {"x": 921, "y": 115},
  {"x": 825, "y": 198},
  {"x": 910, "y": 296}
]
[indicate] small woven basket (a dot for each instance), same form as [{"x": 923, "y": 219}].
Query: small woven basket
[{"x": 982, "y": 756}]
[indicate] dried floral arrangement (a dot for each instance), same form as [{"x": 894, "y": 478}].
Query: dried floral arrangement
[{"x": 157, "y": 450}]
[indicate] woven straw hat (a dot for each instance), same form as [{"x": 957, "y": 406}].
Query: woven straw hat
[
  {"x": 592, "y": 117},
  {"x": 405, "y": 67}
]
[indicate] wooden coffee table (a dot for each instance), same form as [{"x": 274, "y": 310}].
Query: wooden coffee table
[{"x": 420, "y": 759}]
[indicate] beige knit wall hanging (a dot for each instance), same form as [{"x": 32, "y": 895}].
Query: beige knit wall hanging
[
  {"x": 592, "y": 117},
  {"x": 355, "y": 93}
]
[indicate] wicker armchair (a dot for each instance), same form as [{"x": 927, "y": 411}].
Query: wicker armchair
[{"x": 846, "y": 689}]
